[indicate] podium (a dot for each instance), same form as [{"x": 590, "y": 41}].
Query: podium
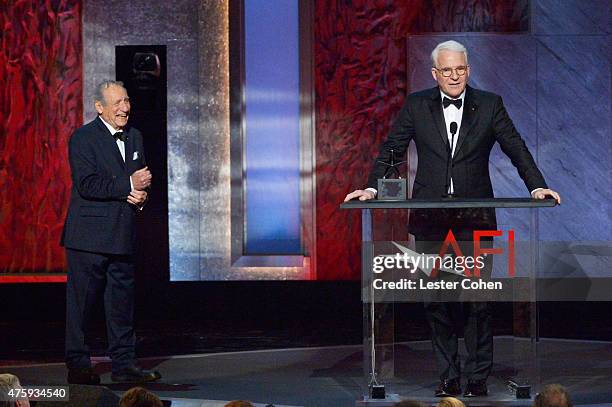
[{"x": 517, "y": 278}]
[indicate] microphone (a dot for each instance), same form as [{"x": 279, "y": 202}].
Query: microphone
[
  {"x": 453, "y": 129},
  {"x": 449, "y": 162}
]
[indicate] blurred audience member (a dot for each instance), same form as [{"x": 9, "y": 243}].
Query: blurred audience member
[
  {"x": 239, "y": 403},
  {"x": 139, "y": 397},
  {"x": 553, "y": 395},
  {"x": 10, "y": 382},
  {"x": 450, "y": 402}
]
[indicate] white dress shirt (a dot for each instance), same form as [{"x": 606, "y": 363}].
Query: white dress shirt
[
  {"x": 120, "y": 143},
  {"x": 452, "y": 114}
]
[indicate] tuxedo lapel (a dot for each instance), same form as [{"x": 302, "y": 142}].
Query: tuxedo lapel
[
  {"x": 470, "y": 112},
  {"x": 109, "y": 143},
  {"x": 435, "y": 107}
]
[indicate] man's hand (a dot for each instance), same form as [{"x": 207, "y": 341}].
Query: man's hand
[
  {"x": 546, "y": 193},
  {"x": 137, "y": 198},
  {"x": 141, "y": 179},
  {"x": 362, "y": 194}
]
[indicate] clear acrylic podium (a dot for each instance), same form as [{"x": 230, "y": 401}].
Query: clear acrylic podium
[{"x": 385, "y": 223}]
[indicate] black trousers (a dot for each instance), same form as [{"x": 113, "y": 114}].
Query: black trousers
[
  {"x": 447, "y": 319},
  {"x": 90, "y": 275}
]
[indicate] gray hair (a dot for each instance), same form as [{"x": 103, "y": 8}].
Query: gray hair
[
  {"x": 8, "y": 382},
  {"x": 553, "y": 395},
  {"x": 99, "y": 92},
  {"x": 449, "y": 46}
]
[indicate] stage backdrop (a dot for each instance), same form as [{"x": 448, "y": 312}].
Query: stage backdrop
[
  {"x": 361, "y": 75},
  {"x": 40, "y": 106},
  {"x": 550, "y": 61},
  {"x": 361, "y": 81}
]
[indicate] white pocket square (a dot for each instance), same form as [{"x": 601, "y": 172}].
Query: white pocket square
[{"x": 135, "y": 156}]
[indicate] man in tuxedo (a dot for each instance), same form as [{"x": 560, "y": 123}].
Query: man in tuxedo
[
  {"x": 458, "y": 121},
  {"x": 109, "y": 188}
]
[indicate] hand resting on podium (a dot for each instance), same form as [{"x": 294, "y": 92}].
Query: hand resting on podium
[
  {"x": 367, "y": 194},
  {"x": 362, "y": 194},
  {"x": 543, "y": 193}
]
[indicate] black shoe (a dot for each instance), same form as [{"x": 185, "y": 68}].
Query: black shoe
[
  {"x": 83, "y": 375},
  {"x": 135, "y": 374},
  {"x": 476, "y": 388},
  {"x": 448, "y": 388}
]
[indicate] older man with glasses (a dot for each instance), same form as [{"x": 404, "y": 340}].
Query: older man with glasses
[{"x": 455, "y": 123}]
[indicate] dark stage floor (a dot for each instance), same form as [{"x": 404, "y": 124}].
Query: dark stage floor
[
  {"x": 317, "y": 326},
  {"x": 333, "y": 376}
]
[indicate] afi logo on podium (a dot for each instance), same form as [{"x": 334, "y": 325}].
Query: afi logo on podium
[{"x": 451, "y": 241}]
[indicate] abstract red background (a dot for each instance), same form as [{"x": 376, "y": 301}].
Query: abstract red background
[
  {"x": 360, "y": 84},
  {"x": 41, "y": 82}
]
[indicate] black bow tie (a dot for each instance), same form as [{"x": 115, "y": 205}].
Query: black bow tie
[
  {"x": 119, "y": 136},
  {"x": 446, "y": 102}
]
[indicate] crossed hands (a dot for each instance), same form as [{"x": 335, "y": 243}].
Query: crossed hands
[{"x": 141, "y": 180}]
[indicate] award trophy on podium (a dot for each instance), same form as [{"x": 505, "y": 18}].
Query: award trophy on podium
[{"x": 392, "y": 187}]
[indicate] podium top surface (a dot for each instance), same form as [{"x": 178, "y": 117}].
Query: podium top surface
[{"x": 451, "y": 203}]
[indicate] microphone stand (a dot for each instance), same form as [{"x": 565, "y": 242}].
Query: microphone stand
[{"x": 449, "y": 163}]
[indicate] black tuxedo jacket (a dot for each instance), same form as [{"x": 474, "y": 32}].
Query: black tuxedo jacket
[
  {"x": 484, "y": 122},
  {"x": 99, "y": 217}
]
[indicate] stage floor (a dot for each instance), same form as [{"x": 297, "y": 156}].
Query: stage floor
[{"x": 333, "y": 376}]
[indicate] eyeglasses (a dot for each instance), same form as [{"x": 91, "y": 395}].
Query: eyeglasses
[{"x": 447, "y": 72}]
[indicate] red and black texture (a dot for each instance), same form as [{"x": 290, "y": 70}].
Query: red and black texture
[
  {"x": 360, "y": 82},
  {"x": 41, "y": 82}
]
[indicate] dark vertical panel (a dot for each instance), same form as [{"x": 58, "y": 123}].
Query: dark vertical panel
[
  {"x": 142, "y": 69},
  {"x": 236, "y": 115}
]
